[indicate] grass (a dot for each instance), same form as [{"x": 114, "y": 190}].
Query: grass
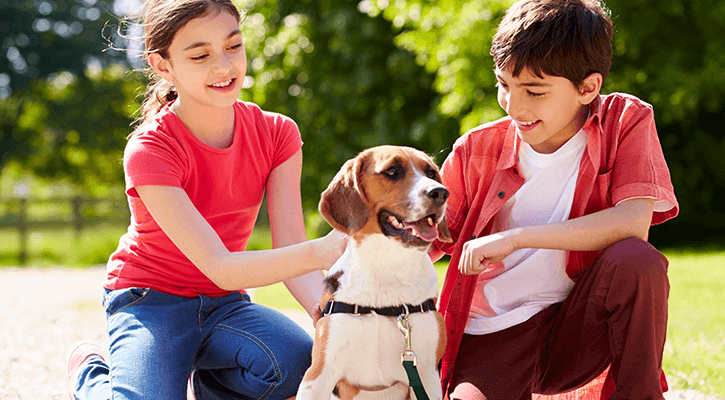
[{"x": 694, "y": 352}]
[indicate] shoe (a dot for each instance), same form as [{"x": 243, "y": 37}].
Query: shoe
[
  {"x": 190, "y": 387},
  {"x": 78, "y": 353}
]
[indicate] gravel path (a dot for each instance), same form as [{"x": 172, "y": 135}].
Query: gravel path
[{"x": 45, "y": 311}]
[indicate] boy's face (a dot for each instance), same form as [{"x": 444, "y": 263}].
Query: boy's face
[{"x": 547, "y": 112}]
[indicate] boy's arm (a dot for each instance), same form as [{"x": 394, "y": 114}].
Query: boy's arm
[{"x": 596, "y": 231}]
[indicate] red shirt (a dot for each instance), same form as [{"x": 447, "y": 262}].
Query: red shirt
[
  {"x": 225, "y": 185},
  {"x": 623, "y": 160}
]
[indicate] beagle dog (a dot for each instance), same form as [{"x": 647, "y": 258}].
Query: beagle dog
[{"x": 391, "y": 203}]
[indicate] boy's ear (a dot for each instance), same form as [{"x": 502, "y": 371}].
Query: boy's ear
[
  {"x": 161, "y": 66},
  {"x": 590, "y": 87}
]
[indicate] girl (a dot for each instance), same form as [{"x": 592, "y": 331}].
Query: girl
[{"x": 196, "y": 170}]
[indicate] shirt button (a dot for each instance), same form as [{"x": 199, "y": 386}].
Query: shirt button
[
  {"x": 501, "y": 194},
  {"x": 516, "y": 171},
  {"x": 473, "y": 237}
]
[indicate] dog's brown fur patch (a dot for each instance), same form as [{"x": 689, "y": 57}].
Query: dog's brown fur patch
[{"x": 318, "y": 350}]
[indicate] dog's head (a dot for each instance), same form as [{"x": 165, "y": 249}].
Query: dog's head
[{"x": 389, "y": 190}]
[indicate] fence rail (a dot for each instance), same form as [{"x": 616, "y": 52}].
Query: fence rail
[{"x": 77, "y": 212}]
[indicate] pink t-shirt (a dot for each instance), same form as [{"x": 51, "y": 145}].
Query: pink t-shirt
[{"x": 225, "y": 185}]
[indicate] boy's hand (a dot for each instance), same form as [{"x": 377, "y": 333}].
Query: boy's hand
[{"x": 479, "y": 253}]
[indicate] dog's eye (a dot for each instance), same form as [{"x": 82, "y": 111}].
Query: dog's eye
[
  {"x": 393, "y": 172},
  {"x": 431, "y": 173}
]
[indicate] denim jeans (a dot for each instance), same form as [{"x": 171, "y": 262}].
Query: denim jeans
[{"x": 237, "y": 348}]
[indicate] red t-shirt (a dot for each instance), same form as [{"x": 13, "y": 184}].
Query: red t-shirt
[{"x": 225, "y": 185}]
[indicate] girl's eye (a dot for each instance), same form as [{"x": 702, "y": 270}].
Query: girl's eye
[
  {"x": 235, "y": 47},
  {"x": 533, "y": 94},
  {"x": 201, "y": 57}
]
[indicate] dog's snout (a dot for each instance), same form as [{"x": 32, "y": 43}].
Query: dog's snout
[{"x": 437, "y": 194}]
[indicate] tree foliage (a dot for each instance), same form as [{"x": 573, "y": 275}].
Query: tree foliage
[{"x": 355, "y": 74}]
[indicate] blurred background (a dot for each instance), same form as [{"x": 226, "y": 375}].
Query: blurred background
[{"x": 353, "y": 74}]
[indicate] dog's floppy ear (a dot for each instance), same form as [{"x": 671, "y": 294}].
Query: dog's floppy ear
[{"x": 342, "y": 203}]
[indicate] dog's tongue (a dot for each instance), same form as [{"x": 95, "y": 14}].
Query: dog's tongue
[{"x": 423, "y": 229}]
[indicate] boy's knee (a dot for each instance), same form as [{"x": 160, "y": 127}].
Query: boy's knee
[{"x": 637, "y": 266}]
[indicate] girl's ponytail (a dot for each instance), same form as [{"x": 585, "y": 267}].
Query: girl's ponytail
[{"x": 159, "y": 93}]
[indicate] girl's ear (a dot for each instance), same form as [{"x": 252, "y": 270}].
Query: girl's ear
[
  {"x": 590, "y": 87},
  {"x": 161, "y": 66}
]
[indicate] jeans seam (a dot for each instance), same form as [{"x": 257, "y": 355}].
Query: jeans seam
[
  {"x": 134, "y": 303},
  {"x": 267, "y": 350}
]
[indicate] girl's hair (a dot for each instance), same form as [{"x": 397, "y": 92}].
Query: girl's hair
[
  {"x": 567, "y": 38},
  {"x": 163, "y": 18}
]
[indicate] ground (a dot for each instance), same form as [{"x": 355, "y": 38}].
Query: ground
[{"x": 45, "y": 311}]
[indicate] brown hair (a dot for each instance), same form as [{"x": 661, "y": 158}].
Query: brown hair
[
  {"x": 163, "y": 18},
  {"x": 567, "y": 38}
]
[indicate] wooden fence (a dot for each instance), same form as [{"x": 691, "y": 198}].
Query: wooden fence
[{"x": 77, "y": 212}]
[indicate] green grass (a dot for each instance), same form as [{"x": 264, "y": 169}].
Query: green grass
[{"x": 694, "y": 352}]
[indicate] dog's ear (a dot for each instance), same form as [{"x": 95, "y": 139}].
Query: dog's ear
[
  {"x": 342, "y": 203},
  {"x": 443, "y": 234}
]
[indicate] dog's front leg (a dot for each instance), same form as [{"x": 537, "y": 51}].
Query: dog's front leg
[{"x": 319, "y": 380}]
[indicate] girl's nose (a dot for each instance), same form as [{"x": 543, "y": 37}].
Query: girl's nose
[{"x": 222, "y": 63}]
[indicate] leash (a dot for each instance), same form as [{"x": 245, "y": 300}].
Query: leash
[{"x": 408, "y": 358}]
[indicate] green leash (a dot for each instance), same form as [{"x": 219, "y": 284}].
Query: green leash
[{"x": 410, "y": 360}]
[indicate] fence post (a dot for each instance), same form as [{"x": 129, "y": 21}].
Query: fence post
[
  {"x": 23, "y": 230},
  {"x": 77, "y": 202}
]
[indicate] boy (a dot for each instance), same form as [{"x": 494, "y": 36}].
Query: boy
[{"x": 551, "y": 279}]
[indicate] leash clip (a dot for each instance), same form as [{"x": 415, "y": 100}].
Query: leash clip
[{"x": 405, "y": 329}]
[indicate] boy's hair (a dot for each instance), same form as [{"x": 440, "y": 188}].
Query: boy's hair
[
  {"x": 567, "y": 38},
  {"x": 163, "y": 18}
]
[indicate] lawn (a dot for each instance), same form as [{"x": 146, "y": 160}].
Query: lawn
[{"x": 694, "y": 351}]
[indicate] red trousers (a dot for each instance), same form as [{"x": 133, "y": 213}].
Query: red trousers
[{"x": 616, "y": 314}]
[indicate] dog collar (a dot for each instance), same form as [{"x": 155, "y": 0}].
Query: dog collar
[{"x": 335, "y": 307}]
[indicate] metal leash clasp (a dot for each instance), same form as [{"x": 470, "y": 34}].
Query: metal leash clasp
[{"x": 404, "y": 326}]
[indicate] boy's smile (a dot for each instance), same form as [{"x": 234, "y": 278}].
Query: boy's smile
[{"x": 547, "y": 111}]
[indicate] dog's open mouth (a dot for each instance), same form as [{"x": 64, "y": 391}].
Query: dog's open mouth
[{"x": 425, "y": 229}]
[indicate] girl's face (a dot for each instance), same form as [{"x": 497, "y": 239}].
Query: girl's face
[
  {"x": 206, "y": 61},
  {"x": 547, "y": 112}
]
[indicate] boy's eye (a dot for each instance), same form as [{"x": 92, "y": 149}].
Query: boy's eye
[
  {"x": 200, "y": 57},
  {"x": 534, "y": 94},
  {"x": 235, "y": 47}
]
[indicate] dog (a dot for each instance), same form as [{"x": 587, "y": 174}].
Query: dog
[{"x": 391, "y": 203}]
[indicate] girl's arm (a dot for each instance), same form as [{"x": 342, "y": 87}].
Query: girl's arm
[
  {"x": 287, "y": 224},
  {"x": 172, "y": 209},
  {"x": 596, "y": 231}
]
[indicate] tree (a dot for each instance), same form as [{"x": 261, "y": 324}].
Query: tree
[{"x": 65, "y": 102}]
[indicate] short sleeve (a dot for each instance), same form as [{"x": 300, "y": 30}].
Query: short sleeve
[
  {"x": 640, "y": 169},
  {"x": 286, "y": 138},
  {"x": 152, "y": 158}
]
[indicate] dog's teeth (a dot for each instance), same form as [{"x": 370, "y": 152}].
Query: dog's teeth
[{"x": 430, "y": 221}]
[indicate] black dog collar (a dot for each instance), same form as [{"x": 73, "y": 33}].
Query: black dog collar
[{"x": 334, "y": 307}]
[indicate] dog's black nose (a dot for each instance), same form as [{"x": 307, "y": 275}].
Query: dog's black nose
[{"x": 437, "y": 194}]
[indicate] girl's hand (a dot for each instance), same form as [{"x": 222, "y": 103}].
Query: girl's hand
[
  {"x": 329, "y": 248},
  {"x": 479, "y": 253}
]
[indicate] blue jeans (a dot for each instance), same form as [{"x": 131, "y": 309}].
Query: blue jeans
[{"x": 237, "y": 348}]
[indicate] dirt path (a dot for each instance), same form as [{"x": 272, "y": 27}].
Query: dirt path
[{"x": 45, "y": 311}]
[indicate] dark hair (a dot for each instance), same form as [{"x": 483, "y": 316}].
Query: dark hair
[
  {"x": 163, "y": 18},
  {"x": 567, "y": 38}
]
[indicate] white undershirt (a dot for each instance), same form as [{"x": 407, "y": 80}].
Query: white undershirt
[{"x": 529, "y": 280}]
